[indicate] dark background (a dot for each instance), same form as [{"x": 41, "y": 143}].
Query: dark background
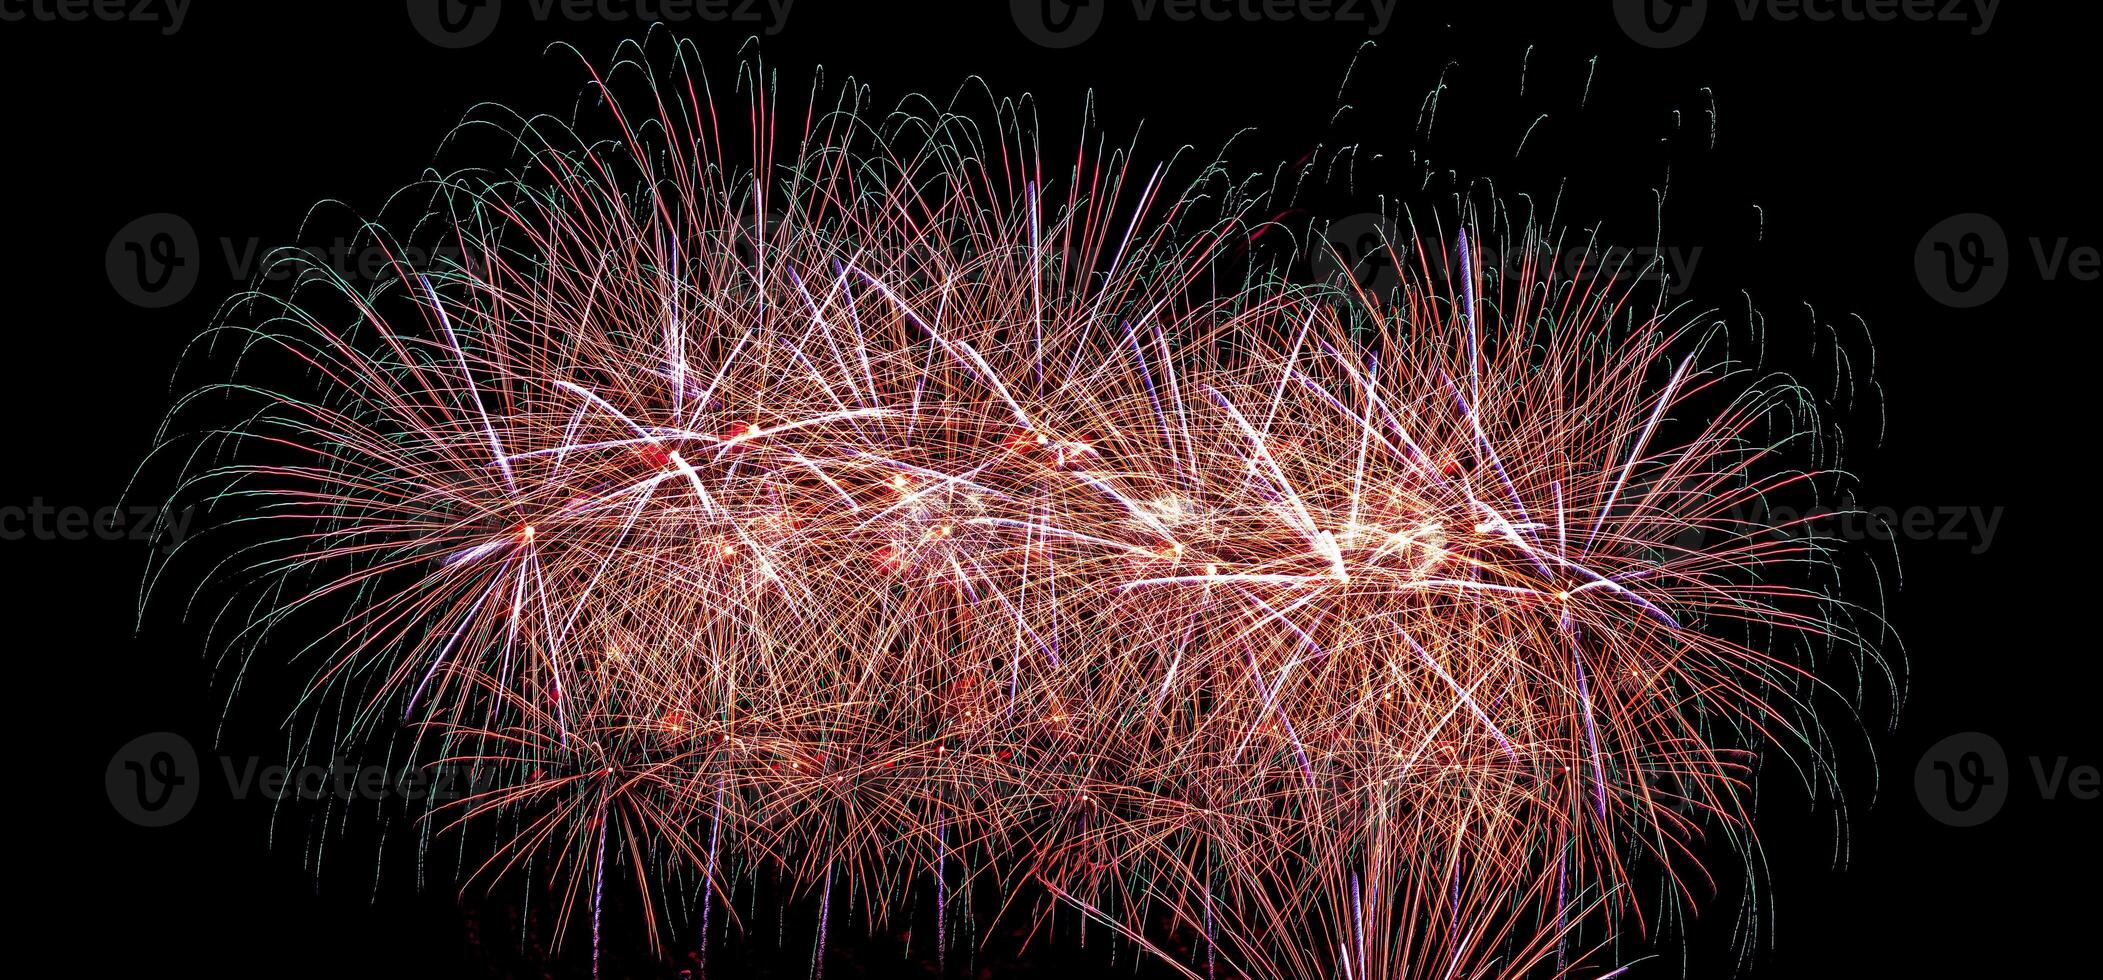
[{"x": 1837, "y": 146}]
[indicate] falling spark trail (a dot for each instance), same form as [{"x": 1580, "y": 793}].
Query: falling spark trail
[{"x": 890, "y": 504}]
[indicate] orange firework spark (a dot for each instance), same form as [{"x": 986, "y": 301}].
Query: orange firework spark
[{"x": 875, "y": 518}]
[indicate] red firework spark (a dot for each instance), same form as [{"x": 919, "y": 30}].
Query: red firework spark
[{"x": 887, "y": 519}]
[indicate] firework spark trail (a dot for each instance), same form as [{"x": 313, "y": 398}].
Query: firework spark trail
[{"x": 886, "y": 515}]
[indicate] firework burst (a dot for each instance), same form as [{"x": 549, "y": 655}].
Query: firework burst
[{"x": 899, "y": 511}]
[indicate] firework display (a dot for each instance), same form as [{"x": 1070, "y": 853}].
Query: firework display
[{"x": 867, "y": 501}]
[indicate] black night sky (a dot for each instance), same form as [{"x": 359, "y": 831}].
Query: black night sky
[{"x": 1921, "y": 172}]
